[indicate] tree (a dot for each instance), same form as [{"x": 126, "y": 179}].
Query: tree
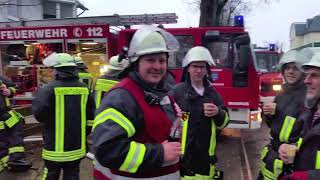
[{"x": 221, "y": 12}]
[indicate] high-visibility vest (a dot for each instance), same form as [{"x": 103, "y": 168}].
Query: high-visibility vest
[
  {"x": 86, "y": 78},
  {"x": 59, "y": 154}
]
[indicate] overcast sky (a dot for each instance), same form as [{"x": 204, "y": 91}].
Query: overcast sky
[{"x": 266, "y": 23}]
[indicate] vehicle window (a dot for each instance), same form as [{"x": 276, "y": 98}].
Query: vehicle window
[
  {"x": 186, "y": 43},
  {"x": 267, "y": 61}
]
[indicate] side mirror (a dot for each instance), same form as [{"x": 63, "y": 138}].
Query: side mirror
[
  {"x": 244, "y": 57},
  {"x": 242, "y": 40}
]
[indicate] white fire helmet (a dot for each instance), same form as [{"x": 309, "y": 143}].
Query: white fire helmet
[
  {"x": 293, "y": 56},
  {"x": 198, "y": 54},
  {"x": 115, "y": 64},
  {"x": 314, "y": 62},
  {"x": 59, "y": 60},
  {"x": 149, "y": 40}
]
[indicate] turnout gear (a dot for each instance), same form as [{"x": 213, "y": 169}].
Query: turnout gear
[
  {"x": 12, "y": 152},
  {"x": 59, "y": 60},
  {"x": 198, "y": 54},
  {"x": 137, "y": 130},
  {"x": 293, "y": 56},
  {"x": 149, "y": 40},
  {"x": 64, "y": 106},
  {"x": 84, "y": 75},
  {"x": 198, "y": 130},
  {"x": 109, "y": 79},
  {"x": 284, "y": 124}
]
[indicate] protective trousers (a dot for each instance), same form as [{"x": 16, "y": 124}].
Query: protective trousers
[{"x": 70, "y": 170}]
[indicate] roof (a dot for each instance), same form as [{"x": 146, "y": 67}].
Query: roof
[{"x": 311, "y": 25}]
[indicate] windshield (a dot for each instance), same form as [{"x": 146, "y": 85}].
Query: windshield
[
  {"x": 267, "y": 61},
  {"x": 175, "y": 58}
]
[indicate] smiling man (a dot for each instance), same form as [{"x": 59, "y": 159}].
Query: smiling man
[
  {"x": 133, "y": 122},
  {"x": 307, "y": 161}
]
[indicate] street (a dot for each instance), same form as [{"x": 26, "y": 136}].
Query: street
[{"x": 238, "y": 156}]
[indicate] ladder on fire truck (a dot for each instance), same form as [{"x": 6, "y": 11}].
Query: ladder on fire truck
[{"x": 113, "y": 20}]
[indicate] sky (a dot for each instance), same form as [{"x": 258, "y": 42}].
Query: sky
[{"x": 266, "y": 23}]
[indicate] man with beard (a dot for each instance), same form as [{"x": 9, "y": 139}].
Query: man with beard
[
  {"x": 281, "y": 116},
  {"x": 306, "y": 164}
]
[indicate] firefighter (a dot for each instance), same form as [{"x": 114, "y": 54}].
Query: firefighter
[
  {"x": 12, "y": 152},
  {"x": 63, "y": 106},
  {"x": 282, "y": 114},
  {"x": 133, "y": 123},
  {"x": 306, "y": 164},
  {"x": 109, "y": 79},
  {"x": 84, "y": 75},
  {"x": 206, "y": 113}
]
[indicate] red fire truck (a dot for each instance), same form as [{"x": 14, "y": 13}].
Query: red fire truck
[
  {"x": 267, "y": 59},
  {"x": 235, "y": 76}
]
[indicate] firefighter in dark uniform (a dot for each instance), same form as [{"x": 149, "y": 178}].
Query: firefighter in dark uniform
[
  {"x": 306, "y": 164},
  {"x": 281, "y": 115},
  {"x": 12, "y": 152},
  {"x": 63, "y": 106},
  {"x": 84, "y": 75},
  {"x": 133, "y": 123},
  {"x": 206, "y": 113},
  {"x": 109, "y": 78}
]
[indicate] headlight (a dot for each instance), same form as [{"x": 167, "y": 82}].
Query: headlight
[{"x": 276, "y": 87}]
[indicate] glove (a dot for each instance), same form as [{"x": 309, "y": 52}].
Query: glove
[{"x": 298, "y": 175}]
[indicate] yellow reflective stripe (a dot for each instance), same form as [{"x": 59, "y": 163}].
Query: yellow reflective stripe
[
  {"x": 116, "y": 116},
  {"x": 184, "y": 135},
  {"x": 45, "y": 174},
  {"x": 84, "y": 75},
  {"x": 266, "y": 173},
  {"x": 12, "y": 120},
  {"x": 277, "y": 167},
  {"x": 90, "y": 123},
  {"x": 286, "y": 129},
  {"x": 225, "y": 121},
  {"x": 63, "y": 156},
  {"x": 7, "y": 101},
  {"x": 264, "y": 153},
  {"x": 212, "y": 146},
  {"x": 71, "y": 90},
  {"x": 299, "y": 143},
  {"x": 16, "y": 149},
  {"x": 13, "y": 90},
  {"x": 212, "y": 170},
  {"x": 203, "y": 177},
  {"x": 4, "y": 161},
  {"x": 59, "y": 123},
  {"x": 134, "y": 157},
  {"x": 97, "y": 98},
  {"x": 84, "y": 99},
  {"x": 317, "y": 165},
  {"x": 1, "y": 125},
  {"x": 104, "y": 84}
]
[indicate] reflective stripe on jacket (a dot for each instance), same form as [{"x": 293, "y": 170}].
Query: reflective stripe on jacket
[
  {"x": 139, "y": 148},
  {"x": 102, "y": 86}
]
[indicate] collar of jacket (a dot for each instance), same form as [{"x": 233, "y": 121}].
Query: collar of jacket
[
  {"x": 67, "y": 73},
  {"x": 158, "y": 90}
]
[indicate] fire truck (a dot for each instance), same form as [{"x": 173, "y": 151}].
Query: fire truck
[
  {"x": 235, "y": 75},
  {"x": 270, "y": 77}
]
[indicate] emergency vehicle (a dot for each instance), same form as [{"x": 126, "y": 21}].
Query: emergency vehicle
[
  {"x": 235, "y": 76},
  {"x": 270, "y": 77}
]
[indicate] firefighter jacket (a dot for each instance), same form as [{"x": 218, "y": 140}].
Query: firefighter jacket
[
  {"x": 85, "y": 77},
  {"x": 199, "y": 131},
  {"x": 308, "y": 156},
  {"x": 103, "y": 85},
  {"x": 130, "y": 125},
  {"x": 285, "y": 128},
  {"x": 4, "y": 101},
  {"x": 64, "y": 106}
]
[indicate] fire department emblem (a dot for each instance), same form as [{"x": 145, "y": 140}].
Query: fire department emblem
[
  {"x": 77, "y": 32},
  {"x": 214, "y": 76}
]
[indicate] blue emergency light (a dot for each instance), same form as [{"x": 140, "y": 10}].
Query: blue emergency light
[
  {"x": 272, "y": 47},
  {"x": 238, "y": 21}
]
